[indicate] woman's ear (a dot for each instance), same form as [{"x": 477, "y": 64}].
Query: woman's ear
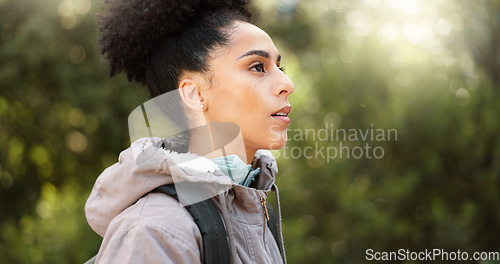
[{"x": 189, "y": 89}]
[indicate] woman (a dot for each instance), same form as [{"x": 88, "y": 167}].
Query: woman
[{"x": 224, "y": 70}]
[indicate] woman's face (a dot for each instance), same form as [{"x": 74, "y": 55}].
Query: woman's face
[{"x": 248, "y": 88}]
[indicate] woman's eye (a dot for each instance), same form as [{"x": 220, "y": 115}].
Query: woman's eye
[{"x": 258, "y": 68}]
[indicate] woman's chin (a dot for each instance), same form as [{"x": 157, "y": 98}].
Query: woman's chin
[{"x": 277, "y": 145}]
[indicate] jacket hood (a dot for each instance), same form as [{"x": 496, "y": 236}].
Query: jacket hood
[{"x": 146, "y": 165}]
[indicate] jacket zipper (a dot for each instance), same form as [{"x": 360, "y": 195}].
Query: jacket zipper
[{"x": 263, "y": 202}]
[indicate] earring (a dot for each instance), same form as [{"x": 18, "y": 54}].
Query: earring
[{"x": 202, "y": 106}]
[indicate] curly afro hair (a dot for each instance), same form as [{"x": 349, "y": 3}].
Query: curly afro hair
[{"x": 153, "y": 41}]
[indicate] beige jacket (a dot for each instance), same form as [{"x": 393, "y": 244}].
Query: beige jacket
[{"x": 140, "y": 226}]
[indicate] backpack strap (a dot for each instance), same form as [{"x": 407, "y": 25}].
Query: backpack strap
[{"x": 212, "y": 229}]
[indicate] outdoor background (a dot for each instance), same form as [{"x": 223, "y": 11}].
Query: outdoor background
[{"x": 428, "y": 69}]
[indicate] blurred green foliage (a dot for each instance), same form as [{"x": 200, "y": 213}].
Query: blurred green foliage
[{"x": 428, "y": 69}]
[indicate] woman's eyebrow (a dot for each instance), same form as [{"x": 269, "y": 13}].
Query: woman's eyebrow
[{"x": 261, "y": 53}]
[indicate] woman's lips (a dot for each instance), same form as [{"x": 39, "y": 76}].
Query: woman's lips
[{"x": 282, "y": 114}]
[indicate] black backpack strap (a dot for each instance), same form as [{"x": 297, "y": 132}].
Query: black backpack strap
[{"x": 213, "y": 232}]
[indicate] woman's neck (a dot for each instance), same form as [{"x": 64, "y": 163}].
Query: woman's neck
[{"x": 219, "y": 139}]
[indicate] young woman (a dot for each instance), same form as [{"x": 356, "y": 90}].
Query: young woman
[{"x": 224, "y": 70}]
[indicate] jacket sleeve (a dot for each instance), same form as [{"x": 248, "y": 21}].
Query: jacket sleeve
[{"x": 147, "y": 243}]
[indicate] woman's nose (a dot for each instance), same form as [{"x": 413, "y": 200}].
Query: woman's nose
[{"x": 285, "y": 86}]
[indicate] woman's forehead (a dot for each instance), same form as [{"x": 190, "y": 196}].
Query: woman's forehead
[{"x": 246, "y": 37}]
